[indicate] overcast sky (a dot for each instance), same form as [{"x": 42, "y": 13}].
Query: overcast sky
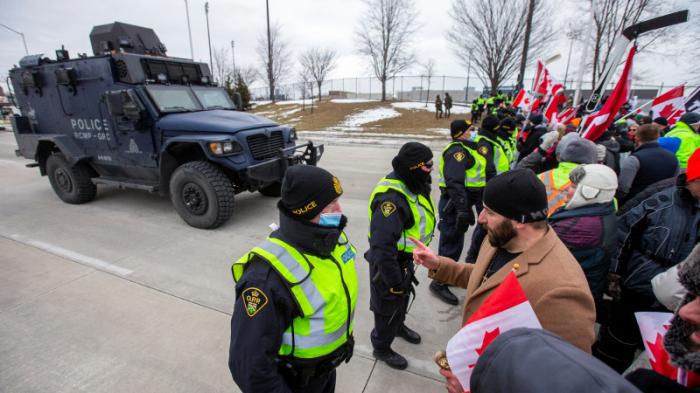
[{"x": 305, "y": 23}]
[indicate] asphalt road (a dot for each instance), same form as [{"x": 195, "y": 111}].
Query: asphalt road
[{"x": 121, "y": 295}]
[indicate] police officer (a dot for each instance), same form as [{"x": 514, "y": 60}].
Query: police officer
[
  {"x": 462, "y": 181},
  {"x": 400, "y": 206},
  {"x": 497, "y": 163},
  {"x": 296, "y": 293},
  {"x": 505, "y": 135}
]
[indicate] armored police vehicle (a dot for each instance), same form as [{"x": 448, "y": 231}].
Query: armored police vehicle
[{"x": 132, "y": 117}]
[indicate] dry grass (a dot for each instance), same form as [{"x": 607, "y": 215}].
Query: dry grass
[{"x": 327, "y": 115}]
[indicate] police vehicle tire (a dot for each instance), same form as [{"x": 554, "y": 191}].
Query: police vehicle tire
[
  {"x": 272, "y": 190},
  {"x": 71, "y": 184},
  {"x": 202, "y": 194}
]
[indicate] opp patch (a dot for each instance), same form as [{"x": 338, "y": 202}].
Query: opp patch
[
  {"x": 459, "y": 156},
  {"x": 483, "y": 150},
  {"x": 253, "y": 300},
  {"x": 388, "y": 208}
]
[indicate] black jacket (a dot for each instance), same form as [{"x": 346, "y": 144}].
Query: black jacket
[
  {"x": 529, "y": 140},
  {"x": 654, "y": 236},
  {"x": 655, "y": 164},
  {"x": 388, "y": 267},
  {"x": 456, "y": 161},
  {"x": 256, "y": 339}
]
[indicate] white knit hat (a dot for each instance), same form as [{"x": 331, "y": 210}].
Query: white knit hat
[{"x": 595, "y": 183}]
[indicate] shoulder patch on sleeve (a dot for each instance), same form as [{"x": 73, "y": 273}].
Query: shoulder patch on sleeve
[
  {"x": 483, "y": 150},
  {"x": 459, "y": 156},
  {"x": 388, "y": 208},
  {"x": 253, "y": 300}
]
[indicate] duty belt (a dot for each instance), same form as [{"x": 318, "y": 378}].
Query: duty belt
[{"x": 299, "y": 373}]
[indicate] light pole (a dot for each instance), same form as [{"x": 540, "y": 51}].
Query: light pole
[
  {"x": 20, "y": 34},
  {"x": 233, "y": 58},
  {"x": 206, "y": 12},
  {"x": 189, "y": 29},
  {"x": 269, "y": 54},
  {"x": 574, "y": 35}
]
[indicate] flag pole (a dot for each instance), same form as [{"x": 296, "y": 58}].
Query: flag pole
[{"x": 636, "y": 110}]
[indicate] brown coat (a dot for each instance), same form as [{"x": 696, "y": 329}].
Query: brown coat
[{"x": 551, "y": 278}]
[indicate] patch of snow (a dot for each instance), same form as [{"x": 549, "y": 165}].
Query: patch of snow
[
  {"x": 349, "y": 133},
  {"x": 351, "y": 100},
  {"x": 369, "y": 116},
  {"x": 292, "y": 102},
  {"x": 290, "y": 112},
  {"x": 430, "y": 108},
  {"x": 260, "y": 102}
]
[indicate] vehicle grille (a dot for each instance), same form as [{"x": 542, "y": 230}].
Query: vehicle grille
[{"x": 263, "y": 147}]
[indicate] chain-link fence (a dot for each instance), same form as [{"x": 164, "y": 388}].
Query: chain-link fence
[{"x": 418, "y": 88}]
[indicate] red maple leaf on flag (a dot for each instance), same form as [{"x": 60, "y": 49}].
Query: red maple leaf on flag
[
  {"x": 489, "y": 336},
  {"x": 661, "y": 362},
  {"x": 671, "y": 113}
]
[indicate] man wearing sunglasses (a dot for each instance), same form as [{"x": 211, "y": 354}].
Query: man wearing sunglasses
[{"x": 400, "y": 207}]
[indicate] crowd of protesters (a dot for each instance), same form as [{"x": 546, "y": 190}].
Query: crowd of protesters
[{"x": 626, "y": 206}]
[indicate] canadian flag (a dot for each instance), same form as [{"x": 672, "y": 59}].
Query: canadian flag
[
  {"x": 507, "y": 308},
  {"x": 670, "y": 105},
  {"x": 653, "y": 326},
  {"x": 566, "y": 116},
  {"x": 600, "y": 121},
  {"x": 550, "y": 113},
  {"x": 545, "y": 83},
  {"x": 522, "y": 100}
]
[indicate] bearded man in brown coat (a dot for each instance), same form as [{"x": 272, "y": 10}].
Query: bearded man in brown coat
[{"x": 518, "y": 238}]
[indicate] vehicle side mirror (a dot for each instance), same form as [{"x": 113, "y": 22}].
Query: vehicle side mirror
[{"x": 124, "y": 105}]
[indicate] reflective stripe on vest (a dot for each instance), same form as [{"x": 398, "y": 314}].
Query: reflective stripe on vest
[
  {"x": 474, "y": 176},
  {"x": 557, "y": 183},
  {"x": 314, "y": 282},
  {"x": 422, "y": 208},
  {"x": 690, "y": 140},
  {"x": 500, "y": 159},
  {"x": 509, "y": 149}
]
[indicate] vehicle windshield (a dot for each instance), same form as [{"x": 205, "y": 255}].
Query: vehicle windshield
[
  {"x": 213, "y": 98},
  {"x": 173, "y": 98}
]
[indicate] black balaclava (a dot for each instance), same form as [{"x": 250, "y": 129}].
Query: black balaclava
[{"x": 407, "y": 166}]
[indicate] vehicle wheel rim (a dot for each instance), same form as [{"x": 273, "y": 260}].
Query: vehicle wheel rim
[
  {"x": 194, "y": 198},
  {"x": 63, "y": 180}
]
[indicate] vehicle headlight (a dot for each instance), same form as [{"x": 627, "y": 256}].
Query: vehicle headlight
[
  {"x": 224, "y": 148},
  {"x": 293, "y": 134}
]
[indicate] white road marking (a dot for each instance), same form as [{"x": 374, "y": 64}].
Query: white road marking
[{"x": 69, "y": 254}]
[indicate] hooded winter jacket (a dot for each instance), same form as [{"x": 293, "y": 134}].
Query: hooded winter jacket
[{"x": 654, "y": 236}]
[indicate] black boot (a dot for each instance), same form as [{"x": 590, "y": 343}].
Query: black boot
[
  {"x": 391, "y": 358},
  {"x": 408, "y": 334},
  {"x": 443, "y": 292}
]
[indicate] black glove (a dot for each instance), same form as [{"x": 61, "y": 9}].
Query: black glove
[{"x": 464, "y": 220}]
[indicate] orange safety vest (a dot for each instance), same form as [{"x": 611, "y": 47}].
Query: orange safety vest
[{"x": 557, "y": 183}]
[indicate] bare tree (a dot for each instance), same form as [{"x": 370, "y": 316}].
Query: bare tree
[
  {"x": 222, "y": 69},
  {"x": 610, "y": 17},
  {"x": 428, "y": 69},
  {"x": 275, "y": 62},
  {"x": 317, "y": 63},
  {"x": 249, "y": 74},
  {"x": 306, "y": 87},
  {"x": 489, "y": 35},
  {"x": 385, "y": 33}
]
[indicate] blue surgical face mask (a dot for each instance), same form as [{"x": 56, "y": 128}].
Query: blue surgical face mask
[{"x": 330, "y": 220}]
